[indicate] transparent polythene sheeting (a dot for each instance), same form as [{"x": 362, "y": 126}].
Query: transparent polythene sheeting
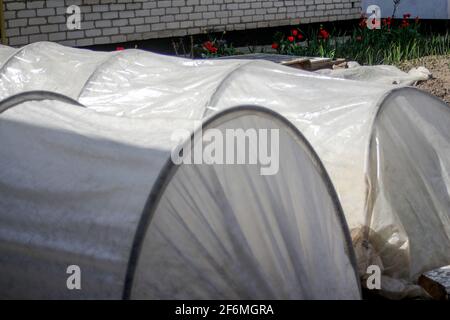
[
  {"x": 263, "y": 237},
  {"x": 130, "y": 83},
  {"x": 48, "y": 66},
  {"x": 5, "y": 53},
  {"x": 336, "y": 116},
  {"x": 410, "y": 220},
  {"x": 338, "y": 119},
  {"x": 336, "y": 123},
  {"x": 74, "y": 184},
  {"x": 142, "y": 84}
]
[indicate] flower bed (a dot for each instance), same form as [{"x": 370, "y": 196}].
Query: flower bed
[{"x": 395, "y": 41}]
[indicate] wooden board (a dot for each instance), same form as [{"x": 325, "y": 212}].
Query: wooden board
[
  {"x": 305, "y": 63},
  {"x": 437, "y": 283}
]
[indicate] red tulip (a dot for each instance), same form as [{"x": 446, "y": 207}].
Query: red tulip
[
  {"x": 208, "y": 45},
  {"x": 324, "y": 34},
  {"x": 275, "y": 45},
  {"x": 294, "y": 32},
  {"x": 300, "y": 36},
  {"x": 291, "y": 39},
  {"x": 120, "y": 48}
]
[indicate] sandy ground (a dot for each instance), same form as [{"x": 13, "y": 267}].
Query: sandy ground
[{"x": 440, "y": 68}]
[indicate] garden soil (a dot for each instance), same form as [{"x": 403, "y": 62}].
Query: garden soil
[{"x": 439, "y": 66}]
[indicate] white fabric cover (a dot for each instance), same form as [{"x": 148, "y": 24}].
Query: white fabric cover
[{"x": 338, "y": 117}]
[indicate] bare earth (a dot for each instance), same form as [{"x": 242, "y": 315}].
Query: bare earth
[{"x": 439, "y": 66}]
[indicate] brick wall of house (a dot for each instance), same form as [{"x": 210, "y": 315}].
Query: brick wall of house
[{"x": 114, "y": 21}]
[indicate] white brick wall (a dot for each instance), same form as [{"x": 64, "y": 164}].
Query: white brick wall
[{"x": 112, "y": 21}]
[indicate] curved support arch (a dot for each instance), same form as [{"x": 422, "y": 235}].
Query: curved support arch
[
  {"x": 169, "y": 170},
  {"x": 36, "y": 44},
  {"x": 212, "y": 98},
  {"x": 405, "y": 170},
  {"x": 19, "y": 51},
  {"x": 17, "y": 99},
  {"x": 103, "y": 64},
  {"x": 370, "y": 166}
]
